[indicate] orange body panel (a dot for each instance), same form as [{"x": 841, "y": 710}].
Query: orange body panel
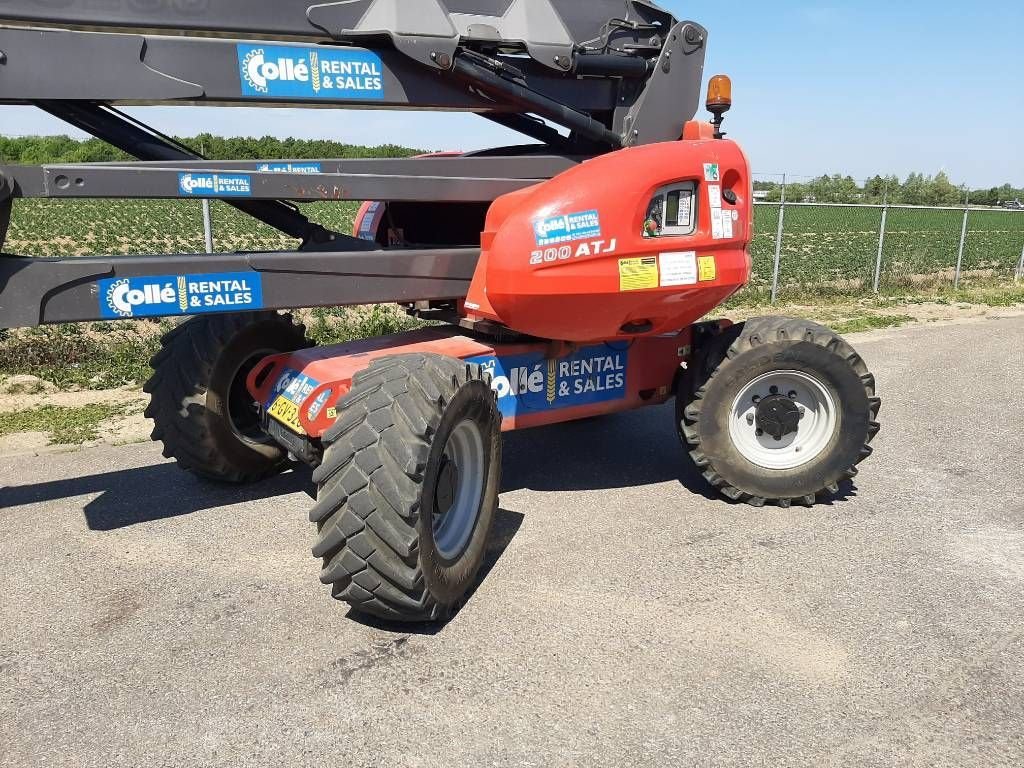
[
  {"x": 543, "y": 383},
  {"x": 698, "y": 130},
  {"x": 568, "y": 259}
]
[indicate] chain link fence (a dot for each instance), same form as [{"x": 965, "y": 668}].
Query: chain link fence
[
  {"x": 806, "y": 248},
  {"x": 801, "y": 249}
]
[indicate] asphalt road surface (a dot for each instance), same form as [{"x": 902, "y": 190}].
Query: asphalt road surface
[{"x": 627, "y": 618}]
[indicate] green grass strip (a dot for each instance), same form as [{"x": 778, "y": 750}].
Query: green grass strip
[{"x": 66, "y": 426}]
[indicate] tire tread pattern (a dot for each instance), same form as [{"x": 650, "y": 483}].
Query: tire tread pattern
[
  {"x": 368, "y": 507},
  {"x": 738, "y": 339},
  {"x": 179, "y": 385}
]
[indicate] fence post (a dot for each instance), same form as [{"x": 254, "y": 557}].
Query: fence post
[
  {"x": 881, "y": 239},
  {"x": 963, "y": 242},
  {"x": 778, "y": 242},
  {"x": 1020, "y": 267},
  {"x": 207, "y": 226}
]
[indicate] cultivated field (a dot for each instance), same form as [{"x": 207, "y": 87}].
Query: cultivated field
[
  {"x": 830, "y": 251},
  {"x": 94, "y": 227},
  {"x": 835, "y": 250}
]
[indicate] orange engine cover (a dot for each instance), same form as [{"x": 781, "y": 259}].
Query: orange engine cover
[{"x": 583, "y": 257}]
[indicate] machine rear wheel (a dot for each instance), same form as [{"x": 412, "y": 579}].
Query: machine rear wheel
[
  {"x": 199, "y": 404},
  {"x": 408, "y": 488},
  {"x": 778, "y": 410}
]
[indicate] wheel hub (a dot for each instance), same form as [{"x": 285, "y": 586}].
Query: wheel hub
[
  {"x": 778, "y": 416},
  {"x": 459, "y": 490},
  {"x": 243, "y": 413},
  {"x": 447, "y": 486},
  {"x": 783, "y": 419}
]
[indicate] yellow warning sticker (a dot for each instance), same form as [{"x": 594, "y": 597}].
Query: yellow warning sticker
[
  {"x": 638, "y": 274},
  {"x": 707, "y": 269},
  {"x": 287, "y": 412}
]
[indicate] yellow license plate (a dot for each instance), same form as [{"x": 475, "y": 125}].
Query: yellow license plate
[{"x": 287, "y": 412}]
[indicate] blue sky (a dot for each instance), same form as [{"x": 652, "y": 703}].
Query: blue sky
[{"x": 859, "y": 88}]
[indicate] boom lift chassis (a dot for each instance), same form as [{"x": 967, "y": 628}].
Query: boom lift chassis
[
  {"x": 75, "y": 75},
  {"x": 603, "y": 244}
]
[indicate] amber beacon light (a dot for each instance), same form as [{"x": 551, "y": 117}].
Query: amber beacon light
[{"x": 719, "y": 101}]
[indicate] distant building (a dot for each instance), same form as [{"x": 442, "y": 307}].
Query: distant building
[{"x": 761, "y": 195}]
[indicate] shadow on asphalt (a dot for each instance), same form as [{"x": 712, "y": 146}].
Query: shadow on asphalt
[
  {"x": 618, "y": 451},
  {"x": 624, "y": 450},
  {"x": 133, "y": 496}
]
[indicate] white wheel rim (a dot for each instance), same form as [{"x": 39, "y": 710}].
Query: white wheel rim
[
  {"x": 454, "y": 527},
  {"x": 819, "y": 421}
]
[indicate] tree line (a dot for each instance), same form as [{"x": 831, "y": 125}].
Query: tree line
[
  {"x": 40, "y": 150},
  {"x": 916, "y": 189}
]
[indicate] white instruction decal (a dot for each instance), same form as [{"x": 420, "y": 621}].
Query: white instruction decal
[
  {"x": 678, "y": 269},
  {"x": 715, "y": 195},
  {"x": 726, "y": 226},
  {"x": 717, "y": 226}
]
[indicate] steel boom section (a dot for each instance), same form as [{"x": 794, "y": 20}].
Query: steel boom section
[
  {"x": 36, "y": 291},
  {"x": 147, "y": 69},
  {"x": 448, "y": 179}
]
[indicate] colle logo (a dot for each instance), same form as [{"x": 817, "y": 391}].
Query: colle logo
[
  {"x": 123, "y": 299},
  {"x": 214, "y": 185},
  {"x": 259, "y": 72},
  {"x": 189, "y": 183},
  {"x": 546, "y": 226},
  {"x": 284, "y": 382},
  {"x": 567, "y": 228},
  {"x": 518, "y": 381},
  {"x": 530, "y": 383},
  {"x": 291, "y": 72},
  {"x": 173, "y": 295}
]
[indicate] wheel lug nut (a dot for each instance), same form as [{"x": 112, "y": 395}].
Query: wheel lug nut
[
  {"x": 757, "y": 399},
  {"x": 750, "y": 419},
  {"x": 760, "y": 433},
  {"x": 792, "y": 395}
]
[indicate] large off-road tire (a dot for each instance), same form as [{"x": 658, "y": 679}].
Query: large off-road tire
[
  {"x": 779, "y": 411},
  {"x": 408, "y": 488},
  {"x": 199, "y": 404}
]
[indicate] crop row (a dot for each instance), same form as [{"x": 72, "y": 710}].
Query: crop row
[{"x": 833, "y": 249}]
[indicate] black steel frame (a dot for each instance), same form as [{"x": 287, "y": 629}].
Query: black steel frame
[{"x": 603, "y": 101}]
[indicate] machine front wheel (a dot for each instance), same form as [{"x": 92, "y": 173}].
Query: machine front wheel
[
  {"x": 778, "y": 410},
  {"x": 408, "y": 489}
]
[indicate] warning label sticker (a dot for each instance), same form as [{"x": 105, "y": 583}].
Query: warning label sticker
[
  {"x": 678, "y": 269},
  {"x": 717, "y": 226},
  {"x": 707, "y": 269},
  {"x": 638, "y": 274}
]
